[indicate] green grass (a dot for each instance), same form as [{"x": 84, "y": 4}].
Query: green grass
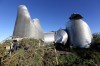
[{"x": 34, "y": 53}]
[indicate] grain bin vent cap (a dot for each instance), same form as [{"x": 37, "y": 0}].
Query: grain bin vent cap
[{"x": 75, "y": 16}]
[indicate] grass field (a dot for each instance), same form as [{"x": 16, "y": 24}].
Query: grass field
[{"x": 33, "y": 53}]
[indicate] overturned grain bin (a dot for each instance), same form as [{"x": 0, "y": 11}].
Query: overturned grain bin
[
  {"x": 61, "y": 36},
  {"x": 79, "y": 32}
]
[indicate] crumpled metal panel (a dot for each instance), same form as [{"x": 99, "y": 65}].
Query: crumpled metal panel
[
  {"x": 25, "y": 27},
  {"x": 79, "y": 33},
  {"x": 61, "y": 36}
]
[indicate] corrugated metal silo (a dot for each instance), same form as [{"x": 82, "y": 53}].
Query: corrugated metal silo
[
  {"x": 49, "y": 37},
  {"x": 61, "y": 36},
  {"x": 79, "y": 32},
  {"x": 25, "y": 27}
]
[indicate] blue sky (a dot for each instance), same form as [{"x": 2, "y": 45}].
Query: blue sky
[{"x": 53, "y": 14}]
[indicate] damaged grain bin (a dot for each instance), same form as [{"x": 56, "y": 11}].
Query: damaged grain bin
[
  {"x": 25, "y": 27},
  {"x": 79, "y": 32},
  {"x": 49, "y": 37},
  {"x": 61, "y": 37}
]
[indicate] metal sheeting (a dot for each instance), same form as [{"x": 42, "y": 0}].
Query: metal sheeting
[
  {"x": 49, "y": 37},
  {"x": 25, "y": 27},
  {"x": 38, "y": 28},
  {"x": 61, "y": 36},
  {"x": 79, "y": 33},
  {"x": 22, "y": 21}
]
